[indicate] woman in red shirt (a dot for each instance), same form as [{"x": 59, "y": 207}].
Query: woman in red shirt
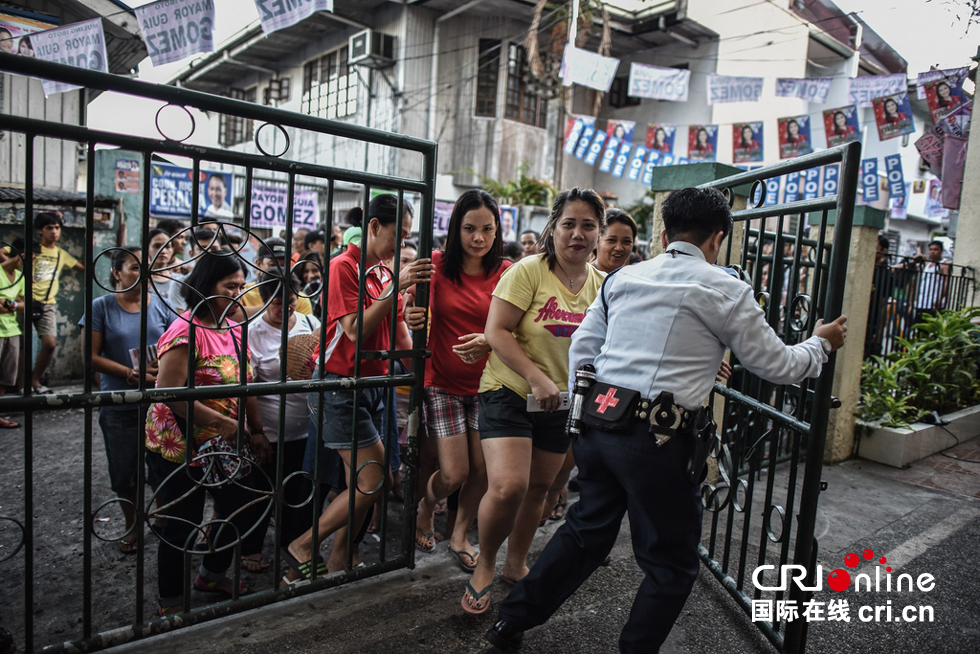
[
  {"x": 378, "y": 238},
  {"x": 462, "y": 286}
]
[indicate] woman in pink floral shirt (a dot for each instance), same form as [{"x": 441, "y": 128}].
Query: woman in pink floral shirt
[{"x": 213, "y": 463}]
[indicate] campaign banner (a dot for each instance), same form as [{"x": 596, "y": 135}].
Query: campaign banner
[
  {"x": 16, "y": 31},
  {"x": 831, "y": 177},
  {"x": 79, "y": 44},
  {"x": 670, "y": 160},
  {"x": 572, "y": 134},
  {"x": 811, "y": 89},
  {"x": 270, "y": 205},
  {"x": 595, "y": 148},
  {"x": 127, "y": 176},
  {"x": 653, "y": 156},
  {"x": 900, "y": 207},
  {"x": 172, "y": 192},
  {"x": 747, "y": 142},
  {"x": 660, "y": 137},
  {"x": 811, "y": 183},
  {"x": 622, "y": 158},
  {"x": 944, "y": 96},
  {"x": 933, "y": 75},
  {"x": 723, "y": 89},
  {"x": 609, "y": 155},
  {"x": 702, "y": 143},
  {"x": 792, "y": 192},
  {"x": 621, "y": 129},
  {"x": 862, "y": 90},
  {"x": 894, "y": 175},
  {"x": 584, "y": 140},
  {"x": 956, "y": 123},
  {"x": 440, "y": 217},
  {"x": 934, "y": 206},
  {"x": 954, "y": 159},
  {"x": 794, "y": 136},
  {"x": 841, "y": 125},
  {"x": 176, "y": 29},
  {"x": 636, "y": 163},
  {"x": 277, "y": 14},
  {"x": 893, "y": 115},
  {"x": 588, "y": 69},
  {"x": 930, "y": 147},
  {"x": 772, "y": 190},
  {"x": 658, "y": 83},
  {"x": 869, "y": 179}
]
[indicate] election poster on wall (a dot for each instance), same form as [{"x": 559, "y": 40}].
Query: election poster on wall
[
  {"x": 747, "y": 142},
  {"x": 276, "y": 14},
  {"x": 16, "y": 31},
  {"x": 79, "y": 44},
  {"x": 660, "y": 137},
  {"x": 934, "y": 206},
  {"x": 621, "y": 129},
  {"x": 658, "y": 83},
  {"x": 270, "y": 206},
  {"x": 900, "y": 206},
  {"x": 794, "y": 136},
  {"x": 575, "y": 131},
  {"x": 841, "y": 125},
  {"x": 176, "y": 29},
  {"x": 944, "y": 96},
  {"x": 893, "y": 115},
  {"x": 172, "y": 191},
  {"x": 702, "y": 143},
  {"x": 127, "y": 176},
  {"x": 933, "y": 75},
  {"x": 863, "y": 90}
]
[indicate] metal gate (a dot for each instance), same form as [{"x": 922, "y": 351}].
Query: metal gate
[
  {"x": 762, "y": 505},
  {"x": 77, "y": 618}
]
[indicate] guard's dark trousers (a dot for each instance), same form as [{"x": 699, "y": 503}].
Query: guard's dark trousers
[{"x": 620, "y": 473}]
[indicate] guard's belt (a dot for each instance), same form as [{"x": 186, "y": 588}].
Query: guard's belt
[{"x": 615, "y": 408}]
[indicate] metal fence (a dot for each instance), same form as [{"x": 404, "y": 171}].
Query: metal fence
[
  {"x": 905, "y": 288},
  {"x": 762, "y": 504},
  {"x": 128, "y": 610}
]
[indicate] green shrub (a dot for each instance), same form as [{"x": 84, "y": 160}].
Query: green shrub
[{"x": 935, "y": 371}]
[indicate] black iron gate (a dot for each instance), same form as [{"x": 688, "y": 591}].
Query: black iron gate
[
  {"x": 762, "y": 504},
  {"x": 99, "y": 619}
]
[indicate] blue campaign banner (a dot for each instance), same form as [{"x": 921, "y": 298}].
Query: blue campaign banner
[
  {"x": 792, "y": 193},
  {"x": 595, "y": 148},
  {"x": 772, "y": 190},
  {"x": 622, "y": 158},
  {"x": 831, "y": 175},
  {"x": 811, "y": 184},
  {"x": 636, "y": 163},
  {"x": 667, "y": 159},
  {"x": 585, "y": 138},
  {"x": 172, "y": 192},
  {"x": 869, "y": 179},
  {"x": 652, "y": 158},
  {"x": 679, "y": 161},
  {"x": 573, "y": 135},
  {"x": 896, "y": 178},
  {"x": 612, "y": 146}
]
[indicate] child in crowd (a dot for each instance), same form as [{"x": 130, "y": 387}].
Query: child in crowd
[{"x": 11, "y": 303}]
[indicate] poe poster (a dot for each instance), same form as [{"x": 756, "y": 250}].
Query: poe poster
[
  {"x": 794, "y": 136},
  {"x": 702, "y": 143},
  {"x": 660, "y": 138},
  {"x": 747, "y": 142},
  {"x": 841, "y": 125},
  {"x": 893, "y": 115},
  {"x": 621, "y": 129},
  {"x": 172, "y": 192},
  {"x": 944, "y": 96}
]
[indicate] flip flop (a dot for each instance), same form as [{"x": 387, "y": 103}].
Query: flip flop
[
  {"x": 42, "y": 390},
  {"x": 212, "y": 587},
  {"x": 128, "y": 547},
  {"x": 459, "y": 554},
  {"x": 304, "y": 569},
  {"x": 8, "y": 424},
  {"x": 429, "y": 535},
  {"x": 476, "y": 599},
  {"x": 558, "y": 513},
  {"x": 254, "y": 565}
]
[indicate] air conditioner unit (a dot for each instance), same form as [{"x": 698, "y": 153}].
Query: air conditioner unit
[{"x": 372, "y": 49}]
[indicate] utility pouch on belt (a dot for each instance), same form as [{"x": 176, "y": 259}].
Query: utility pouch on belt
[
  {"x": 610, "y": 408},
  {"x": 704, "y": 436}
]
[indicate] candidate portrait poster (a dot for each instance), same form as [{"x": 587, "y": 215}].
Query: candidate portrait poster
[
  {"x": 794, "y": 136},
  {"x": 841, "y": 125},
  {"x": 944, "y": 96},
  {"x": 15, "y": 34},
  {"x": 172, "y": 192},
  {"x": 702, "y": 143},
  {"x": 660, "y": 138},
  {"x": 893, "y": 115},
  {"x": 747, "y": 142},
  {"x": 934, "y": 204},
  {"x": 621, "y": 129}
]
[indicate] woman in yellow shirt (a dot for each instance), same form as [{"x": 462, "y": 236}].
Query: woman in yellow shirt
[{"x": 537, "y": 305}]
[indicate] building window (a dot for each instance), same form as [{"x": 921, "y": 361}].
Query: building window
[
  {"x": 277, "y": 91},
  {"x": 487, "y": 75},
  {"x": 233, "y": 130},
  {"x": 330, "y": 86},
  {"x": 618, "y": 94},
  {"x": 522, "y": 104}
]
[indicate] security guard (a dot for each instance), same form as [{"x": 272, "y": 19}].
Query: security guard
[{"x": 656, "y": 336}]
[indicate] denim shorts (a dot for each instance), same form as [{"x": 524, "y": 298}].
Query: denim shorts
[
  {"x": 338, "y": 415},
  {"x": 504, "y": 414},
  {"x": 123, "y": 434}
]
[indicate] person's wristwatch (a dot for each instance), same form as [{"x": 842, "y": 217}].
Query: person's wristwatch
[{"x": 825, "y": 344}]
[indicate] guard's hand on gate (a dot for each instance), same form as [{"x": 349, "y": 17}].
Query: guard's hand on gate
[
  {"x": 473, "y": 349},
  {"x": 416, "y": 272},
  {"x": 724, "y": 371},
  {"x": 415, "y": 318},
  {"x": 834, "y": 333}
]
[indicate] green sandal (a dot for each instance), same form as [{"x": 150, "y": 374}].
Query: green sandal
[
  {"x": 304, "y": 569},
  {"x": 469, "y": 608}
]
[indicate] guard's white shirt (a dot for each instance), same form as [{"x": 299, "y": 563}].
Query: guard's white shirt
[{"x": 669, "y": 322}]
